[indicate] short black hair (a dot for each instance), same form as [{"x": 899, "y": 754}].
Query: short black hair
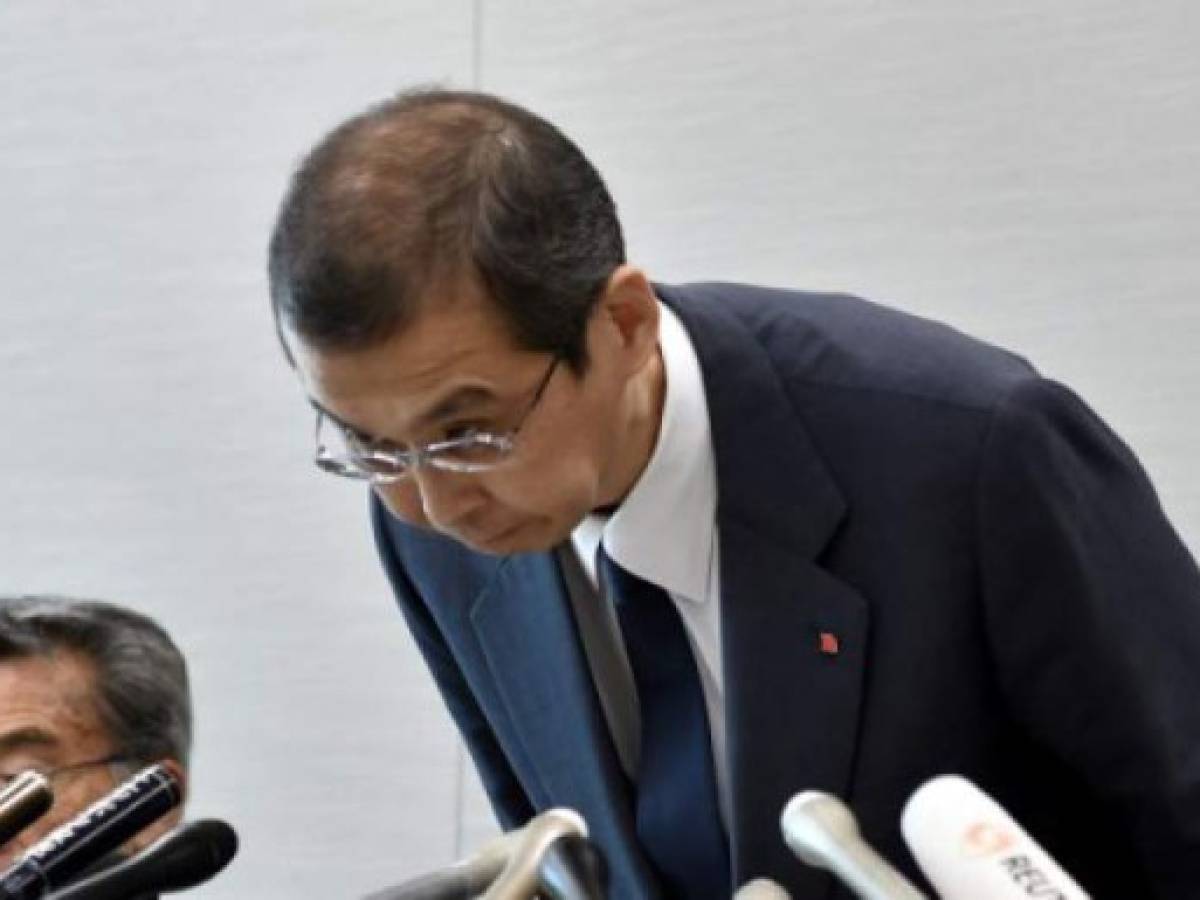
[
  {"x": 430, "y": 187},
  {"x": 142, "y": 695}
]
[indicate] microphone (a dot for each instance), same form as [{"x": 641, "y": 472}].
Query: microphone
[
  {"x": 522, "y": 876},
  {"x": 25, "y": 800},
  {"x": 102, "y": 827},
  {"x": 822, "y": 832},
  {"x": 465, "y": 878},
  {"x": 761, "y": 889},
  {"x": 969, "y": 847},
  {"x": 547, "y": 854},
  {"x": 572, "y": 869},
  {"x": 184, "y": 857}
]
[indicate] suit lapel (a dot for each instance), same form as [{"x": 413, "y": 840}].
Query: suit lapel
[
  {"x": 793, "y": 637},
  {"x": 556, "y": 732},
  {"x": 791, "y": 703}
]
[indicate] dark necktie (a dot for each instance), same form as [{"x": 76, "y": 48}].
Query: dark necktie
[{"x": 678, "y": 820}]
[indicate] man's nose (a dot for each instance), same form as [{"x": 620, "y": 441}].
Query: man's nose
[
  {"x": 435, "y": 497},
  {"x": 447, "y": 498}
]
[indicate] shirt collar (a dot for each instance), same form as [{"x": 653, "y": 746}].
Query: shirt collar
[{"x": 663, "y": 530}]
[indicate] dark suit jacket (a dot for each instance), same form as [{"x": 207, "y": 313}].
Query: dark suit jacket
[{"x": 1009, "y": 600}]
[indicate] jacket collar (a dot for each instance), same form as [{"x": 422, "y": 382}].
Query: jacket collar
[
  {"x": 793, "y": 637},
  {"x": 770, "y": 476}
]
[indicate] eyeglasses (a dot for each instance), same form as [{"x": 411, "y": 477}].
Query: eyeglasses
[
  {"x": 340, "y": 451},
  {"x": 7, "y": 778}
]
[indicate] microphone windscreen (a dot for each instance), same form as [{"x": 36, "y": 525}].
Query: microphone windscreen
[
  {"x": 182, "y": 858},
  {"x": 971, "y": 849}
]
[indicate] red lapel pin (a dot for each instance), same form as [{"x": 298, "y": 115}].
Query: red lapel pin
[{"x": 828, "y": 643}]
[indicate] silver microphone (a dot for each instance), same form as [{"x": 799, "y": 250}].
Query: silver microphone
[
  {"x": 465, "y": 878},
  {"x": 822, "y": 832},
  {"x": 761, "y": 889},
  {"x": 533, "y": 859},
  {"x": 522, "y": 877}
]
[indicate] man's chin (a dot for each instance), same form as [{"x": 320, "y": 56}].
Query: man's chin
[{"x": 527, "y": 537}]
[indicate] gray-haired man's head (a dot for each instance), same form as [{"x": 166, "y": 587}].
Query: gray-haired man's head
[{"x": 89, "y": 693}]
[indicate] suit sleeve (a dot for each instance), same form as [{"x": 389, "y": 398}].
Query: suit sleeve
[
  {"x": 1093, "y": 607},
  {"x": 508, "y": 798}
]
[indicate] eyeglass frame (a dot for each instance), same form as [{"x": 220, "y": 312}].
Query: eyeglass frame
[
  {"x": 408, "y": 459},
  {"x": 7, "y": 778}
]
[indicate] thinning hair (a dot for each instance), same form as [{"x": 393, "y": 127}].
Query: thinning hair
[
  {"x": 426, "y": 189},
  {"x": 141, "y": 686}
]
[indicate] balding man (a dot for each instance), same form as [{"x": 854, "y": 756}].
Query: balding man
[{"x": 674, "y": 552}]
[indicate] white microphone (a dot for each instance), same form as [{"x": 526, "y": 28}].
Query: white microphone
[
  {"x": 971, "y": 849},
  {"x": 820, "y": 829}
]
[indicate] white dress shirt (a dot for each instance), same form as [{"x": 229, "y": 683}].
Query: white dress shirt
[{"x": 664, "y": 532}]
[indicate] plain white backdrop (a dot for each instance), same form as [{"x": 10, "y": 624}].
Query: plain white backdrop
[{"x": 1027, "y": 171}]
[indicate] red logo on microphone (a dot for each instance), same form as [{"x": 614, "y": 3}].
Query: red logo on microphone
[{"x": 987, "y": 839}]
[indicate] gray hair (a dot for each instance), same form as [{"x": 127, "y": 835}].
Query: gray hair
[{"x": 142, "y": 695}]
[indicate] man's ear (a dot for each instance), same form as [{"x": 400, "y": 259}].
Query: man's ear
[{"x": 629, "y": 303}]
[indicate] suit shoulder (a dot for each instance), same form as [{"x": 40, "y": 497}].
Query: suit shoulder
[{"x": 839, "y": 341}]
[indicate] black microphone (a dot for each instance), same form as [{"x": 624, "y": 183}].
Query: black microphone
[
  {"x": 184, "y": 857},
  {"x": 25, "y": 800},
  {"x": 101, "y": 828}
]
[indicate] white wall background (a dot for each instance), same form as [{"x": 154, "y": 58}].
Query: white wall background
[{"x": 1029, "y": 171}]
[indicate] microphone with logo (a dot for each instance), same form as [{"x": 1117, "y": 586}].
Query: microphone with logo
[
  {"x": 822, "y": 832},
  {"x": 23, "y": 802},
  {"x": 101, "y": 828},
  {"x": 971, "y": 849},
  {"x": 184, "y": 857}
]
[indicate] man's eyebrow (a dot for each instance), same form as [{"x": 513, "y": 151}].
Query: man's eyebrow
[
  {"x": 454, "y": 404},
  {"x": 22, "y": 738}
]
